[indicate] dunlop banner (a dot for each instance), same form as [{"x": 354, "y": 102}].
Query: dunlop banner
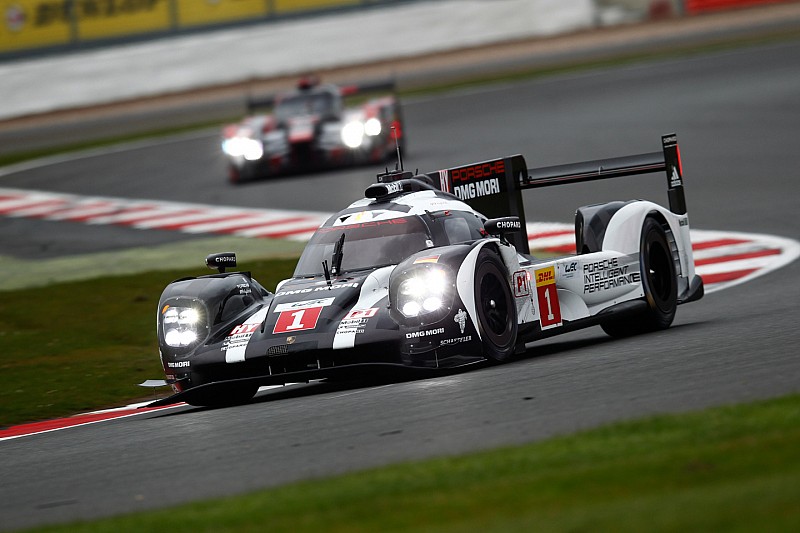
[
  {"x": 33, "y": 24},
  {"x": 116, "y": 18},
  {"x": 207, "y": 12}
]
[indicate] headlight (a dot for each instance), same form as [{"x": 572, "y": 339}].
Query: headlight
[
  {"x": 424, "y": 290},
  {"x": 353, "y": 134},
  {"x": 250, "y": 149},
  {"x": 372, "y": 127},
  {"x": 183, "y": 326}
]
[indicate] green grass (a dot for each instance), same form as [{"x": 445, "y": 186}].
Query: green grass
[
  {"x": 77, "y": 346},
  {"x": 725, "y": 469}
]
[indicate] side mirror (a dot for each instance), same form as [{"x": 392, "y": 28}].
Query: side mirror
[
  {"x": 501, "y": 226},
  {"x": 221, "y": 261}
]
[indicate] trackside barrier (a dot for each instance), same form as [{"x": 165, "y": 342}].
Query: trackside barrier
[{"x": 54, "y": 25}]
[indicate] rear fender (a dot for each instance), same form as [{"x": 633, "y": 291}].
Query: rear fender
[{"x": 624, "y": 230}]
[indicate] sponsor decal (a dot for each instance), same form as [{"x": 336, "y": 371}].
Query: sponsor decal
[
  {"x": 424, "y": 333},
  {"x": 317, "y": 289},
  {"x": 570, "y": 269},
  {"x": 478, "y": 180},
  {"x": 547, "y": 297},
  {"x": 244, "y": 328},
  {"x": 479, "y": 171},
  {"x": 461, "y": 320},
  {"x": 351, "y": 326},
  {"x": 443, "y": 181},
  {"x": 297, "y": 319},
  {"x": 607, "y": 274},
  {"x": 477, "y": 189},
  {"x": 355, "y": 321},
  {"x": 179, "y": 364},
  {"x": 240, "y": 335},
  {"x": 675, "y": 178},
  {"x": 428, "y": 259},
  {"x": 60, "y": 11},
  {"x": 293, "y": 306},
  {"x": 522, "y": 287},
  {"x": 393, "y": 187},
  {"x": 509, "y": 224},
  {"x": 244, "y": 288},
  {"x": 684, "y": 221},
  {"x": 457, "y": 340},
  {"x": 362, "y": 313}
]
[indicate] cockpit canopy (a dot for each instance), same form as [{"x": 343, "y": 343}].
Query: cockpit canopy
[{"x": 371, "y": 244}]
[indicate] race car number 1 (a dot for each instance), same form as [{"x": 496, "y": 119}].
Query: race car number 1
[
  {"x": 297, "y": 320},
  {"x": 547, "y": 297}
]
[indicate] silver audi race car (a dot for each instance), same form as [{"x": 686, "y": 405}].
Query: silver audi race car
[
  {"x": 431, "y": 272},
  {"x": 314, "y": 128}
]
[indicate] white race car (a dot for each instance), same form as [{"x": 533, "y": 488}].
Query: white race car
[{"x": 416, "y": 276}]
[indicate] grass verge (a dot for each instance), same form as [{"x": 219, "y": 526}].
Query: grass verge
[
  {"x": 77, "y": 346},
  {"x": 725, "y": 469}
]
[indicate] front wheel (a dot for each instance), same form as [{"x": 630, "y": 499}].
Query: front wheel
[
  {"x": 659, "y": 282},
  {"x": 495, "y": 306}
]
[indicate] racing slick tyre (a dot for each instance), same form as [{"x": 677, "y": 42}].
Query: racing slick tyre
[
  {"x": 659, "y": 282},
  {"x": 495, "y": 307}
]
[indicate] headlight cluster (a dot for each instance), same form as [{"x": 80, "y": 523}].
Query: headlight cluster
[
  {"x": 424, "y": 291},
  {"x": 250, "y": 149},
  {"x": 353, "y": 132},
  {"x": 183, "y": 326}
]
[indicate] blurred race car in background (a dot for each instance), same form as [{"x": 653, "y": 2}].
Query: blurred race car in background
[
  {"x": 312, "y": 128},
  {"x": 415, "y": 276}
]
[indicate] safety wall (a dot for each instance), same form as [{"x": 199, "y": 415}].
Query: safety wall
[{"x": 31, "y": 25}]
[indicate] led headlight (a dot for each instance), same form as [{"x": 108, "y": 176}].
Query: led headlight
[
  {"x": 353, "y": 134},
  {"x": 372, "y": 127},
  {"x": 183, "y": 326},
  {"x": 424, "y": 291}
]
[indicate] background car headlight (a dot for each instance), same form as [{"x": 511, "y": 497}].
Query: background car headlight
[
  {"x": 250, "y": 149},
  {"x": 353, "y": 134},
  {"x": 423, "y": 291},
  {"x": 372, "y": 127},
  {"x": 183, "y": 326}
]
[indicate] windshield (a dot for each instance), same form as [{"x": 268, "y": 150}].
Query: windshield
[
  {"x": 367, "y": 245},
  {"x": 321, "y": 103}
]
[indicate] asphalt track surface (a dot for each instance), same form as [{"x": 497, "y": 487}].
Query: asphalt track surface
[{"x": 736, "y": 116}]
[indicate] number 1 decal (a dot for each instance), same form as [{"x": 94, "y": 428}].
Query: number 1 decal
[
  {"x": 547, "y": 297},
  {"x": 297, "y": 320}
]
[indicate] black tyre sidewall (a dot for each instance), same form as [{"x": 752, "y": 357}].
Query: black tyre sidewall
[
  {"x": 491, "y": 282},
  {"x": 658, "y": 276}
]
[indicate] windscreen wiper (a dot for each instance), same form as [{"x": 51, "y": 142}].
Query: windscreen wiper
[{"x": 338, "y": 254}]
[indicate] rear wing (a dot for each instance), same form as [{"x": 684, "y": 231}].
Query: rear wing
[
  {"x": 307, "y": 84},
  {"x": 494, "y": 187}
]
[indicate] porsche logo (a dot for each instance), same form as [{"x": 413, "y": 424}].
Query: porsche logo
[{"x": 290, "y": 340}]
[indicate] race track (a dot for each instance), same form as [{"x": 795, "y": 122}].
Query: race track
[{"x": 735, "y": 113}]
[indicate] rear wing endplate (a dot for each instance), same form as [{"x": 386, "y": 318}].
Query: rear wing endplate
[{"x": 494, "y": 187}]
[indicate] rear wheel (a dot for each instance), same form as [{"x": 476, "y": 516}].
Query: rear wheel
[
  {"x": 496, "y": 309},
  {"x": 658, "y": 281}
]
